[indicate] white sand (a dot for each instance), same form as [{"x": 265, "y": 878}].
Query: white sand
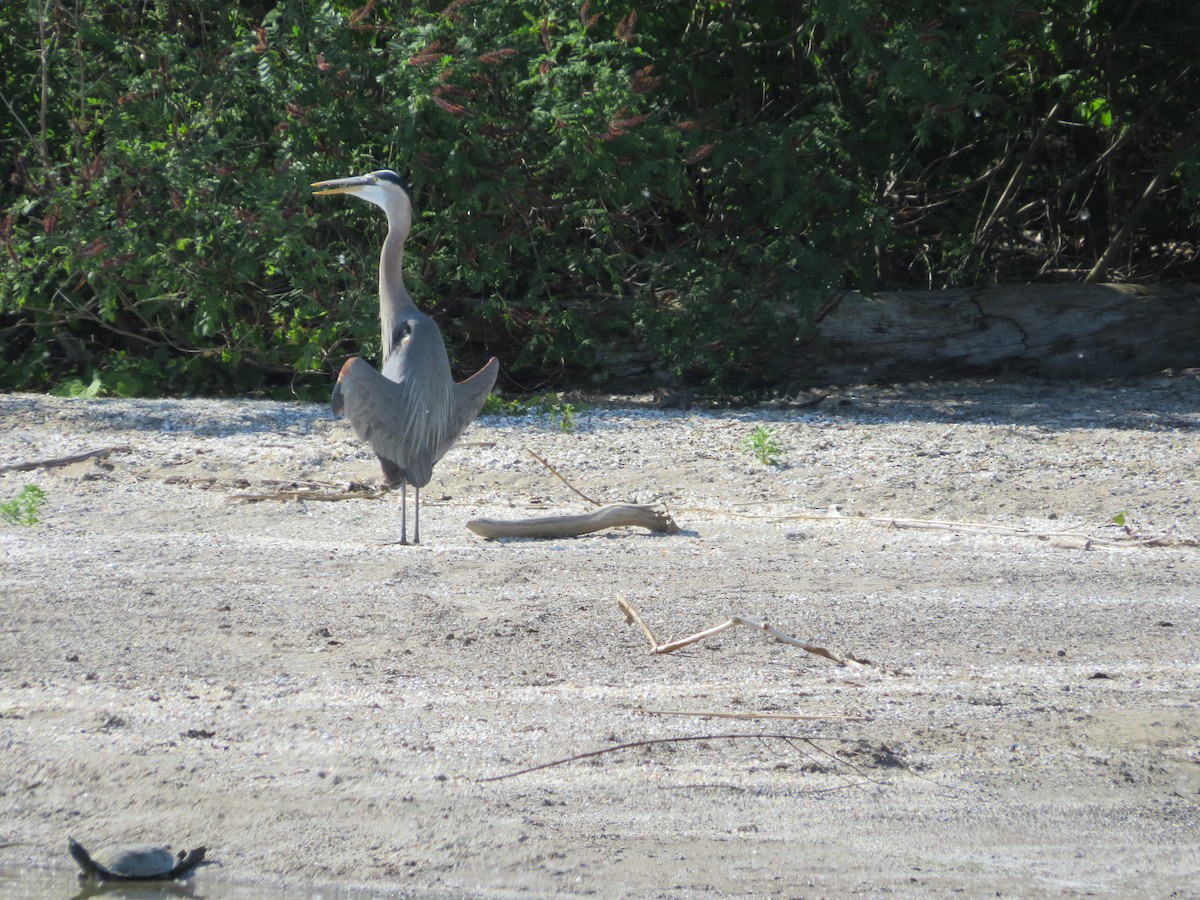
[{"x": 281, "y": 683}]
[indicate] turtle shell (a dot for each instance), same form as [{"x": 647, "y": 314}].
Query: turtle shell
[{"x": 133, "y": 862}]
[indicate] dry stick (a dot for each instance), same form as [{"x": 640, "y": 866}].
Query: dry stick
[
  {"x": 351, "y": 489},
  {"x": 647, "y": 743},
  {"x": 299, "y": 484},
  {"x": 556, "y": 474},
  {"x": 853, "y": 768},
  {"x": 901, "y": 763},
  {"x": 313, "y": 490},
  {"x": 632, "y": 616},
  {"x": 1078, "y": 538},
  {"x": 787, "y": 639},
  {"x": 786, "y": 738},
  {"x": 309, "y": 495},
  {"x": 102, "y": 453},
  {"x": 894, "y": 522},
  {"x": 672, "y": 646},
  {"x": 706, "y": 714}
]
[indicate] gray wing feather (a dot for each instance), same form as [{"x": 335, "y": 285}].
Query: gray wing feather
[
  {"x": 386, "y": 415},
  {"x": 468, "y": 400},
  {"x": 407, "y": 424}
]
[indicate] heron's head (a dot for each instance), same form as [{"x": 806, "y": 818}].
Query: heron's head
[{"x": 383, "y": 188}]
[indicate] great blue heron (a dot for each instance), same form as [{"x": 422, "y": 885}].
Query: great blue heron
[{"x": 413, "y": 412}]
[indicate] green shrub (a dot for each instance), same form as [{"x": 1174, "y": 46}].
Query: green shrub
[{"x": 600, "y": 187}]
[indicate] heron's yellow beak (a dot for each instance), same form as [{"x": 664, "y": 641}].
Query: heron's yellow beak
[{"x": 342, "y": 185}]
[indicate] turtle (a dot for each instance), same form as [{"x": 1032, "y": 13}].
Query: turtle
[{"x": 134, "y": 862}]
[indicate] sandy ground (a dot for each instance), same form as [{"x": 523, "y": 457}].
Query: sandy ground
[{"x": 316, "y": 704}]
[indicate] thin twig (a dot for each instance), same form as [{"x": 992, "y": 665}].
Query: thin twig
[
  {"x": 853, "y": 768},
  {"x": 555, "y": 473},
  {"x": 309, "y": 495},
  {"x": 300, "y": 484},
  {"x": 633, "y": 617},
  {"x": 706, "y": 714},
  {"x": 17, "y": 118},
  {"x": 788, "y": 639},
  {"x": 102, "y": 453},
  {"x": 672, "y": 646},
  {"x": 650, "y": 742},
  {"x": 741, "y": 790}
]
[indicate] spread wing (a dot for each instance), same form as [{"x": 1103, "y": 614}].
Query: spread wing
[
  {"x": 408, "y": 424},
  {"x": 468, "y": 400}
]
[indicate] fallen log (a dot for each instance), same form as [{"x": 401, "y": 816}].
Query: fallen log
[
  {"x": 617, "y": 515},
  {"x": 1049, "y": 331}
]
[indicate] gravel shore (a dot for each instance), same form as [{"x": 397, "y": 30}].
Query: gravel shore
[{"x": 1016, "y": 562}]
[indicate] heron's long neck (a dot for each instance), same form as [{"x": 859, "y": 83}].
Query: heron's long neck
[{"x": 394, "y": 302}]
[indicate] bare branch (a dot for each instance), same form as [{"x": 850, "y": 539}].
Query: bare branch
[
  {"x": 706, "y": 714},
  {"x": 630, "y": 745},
  {"x": 102, "y": 453},
  {"x": 632, "y": 616},
  {"x": 556, "y": 474}
]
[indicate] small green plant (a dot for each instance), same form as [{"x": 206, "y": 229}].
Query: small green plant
[
  {"x": 23, "y": 509},
  {"x": 75, "y": 388},
  {"x": 1123, "y": 521},
  {"x": 762, "y": 444},
  {"x": 496, "y": 405},
  {"x": 561, "y": 415}
]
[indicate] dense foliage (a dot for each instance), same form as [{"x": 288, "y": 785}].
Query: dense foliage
[{"x": 599, "y": 185}]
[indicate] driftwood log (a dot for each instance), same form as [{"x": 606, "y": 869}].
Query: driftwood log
[
  {"x": 1051, "y": 331},
  {"x": 615, "y": 515}
]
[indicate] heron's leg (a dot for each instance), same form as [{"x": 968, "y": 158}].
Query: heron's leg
[
  {"x": 416, "y": 514},
  {"x": 403, "y": 512}
]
